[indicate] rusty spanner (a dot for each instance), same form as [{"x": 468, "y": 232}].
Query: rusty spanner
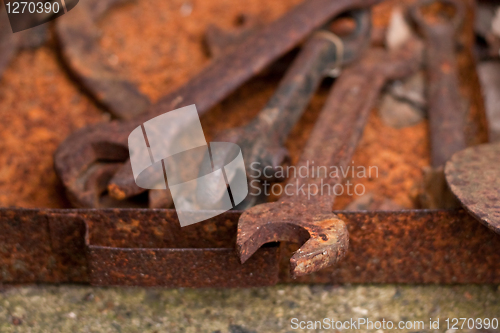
[
  {"x": 78, "y": 35},
  {"x": 262, "y": 140},
  {"x": 447, "y": 112},
  {"x": 88, "y": 158},
  {"x": 11, "y": 42},
  {"x": 317, "y": 57},
  {"x": 303, "y": 216}
]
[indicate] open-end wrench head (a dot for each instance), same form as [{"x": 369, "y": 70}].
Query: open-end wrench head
[
  {"x": 325, "y": 236},
  {"x": 328, "y": 244}
]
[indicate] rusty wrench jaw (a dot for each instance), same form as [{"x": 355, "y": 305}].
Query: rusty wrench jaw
[{"x": 298, "y": 217}]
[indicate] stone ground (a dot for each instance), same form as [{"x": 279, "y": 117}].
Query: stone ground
[{"x": 74, "y": 308}]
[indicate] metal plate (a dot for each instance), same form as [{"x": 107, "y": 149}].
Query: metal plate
[
  {"x": 474, "y": 177},
  {"x": 419, "y": 246}
]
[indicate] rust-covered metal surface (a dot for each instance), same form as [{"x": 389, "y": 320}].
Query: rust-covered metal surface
[
  {"x": 41, "y": 245},
  {"x": 11, "y": 43},
  {"x": 446, "y": 107},
  {"x": 127, "y": 247},
  {"x": 419, "y": 246},
  {"x": 474, "y": 177},
  {"x": 416, "y": 246},
  {"x": 332, "y": 143},
  {"x": 78, "y": 36},
  {"x": 108, "y": 142},
  {"x": 262, "y": 140},
  {"x": 148, "y": 249}
]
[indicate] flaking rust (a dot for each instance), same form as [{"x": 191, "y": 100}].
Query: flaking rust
[{"x": 110, "y": 247}]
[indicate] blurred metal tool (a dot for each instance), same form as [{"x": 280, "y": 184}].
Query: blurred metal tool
[
  {"x": 474, "y": 177},
  {"x": 262, "y": 140},
  {"x": 90, "y": 157},
  {"x": 446, "y": 107},
  {"x": 78, "y": 36}
]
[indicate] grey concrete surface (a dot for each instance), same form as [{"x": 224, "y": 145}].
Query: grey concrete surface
[{"x": 71, "y": 308}]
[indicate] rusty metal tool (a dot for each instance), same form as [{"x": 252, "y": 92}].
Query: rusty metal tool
[
  {"x": 446, "y": 107},
  {"x": 411, "y": 246},
  {"x": 219, "y": 40},
  {"x": 262, "y": 140},
  {"x": 78, "y": 36},
  {"x": 88, "y": 158},
  {"x": 474, "y": 177},
  {"x": 301, "y": 217}
]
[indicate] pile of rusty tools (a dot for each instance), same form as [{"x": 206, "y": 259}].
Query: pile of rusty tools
[{"x": 101, "y": 244}]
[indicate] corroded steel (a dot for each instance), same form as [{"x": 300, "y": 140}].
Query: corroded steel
[
  {"x": 446, "y": 110},
  {"x": 108, "y": 142},
  {"x": 418, "y": 246},
  {"x": 262, "y": 140},
  {"x": 78, "y": 36},
  {"x": 126, "y": 247},
  {"x": 414, "y": 246},
  {"x": 298, "y": 215},
  {"x": 474, "y": 177}
]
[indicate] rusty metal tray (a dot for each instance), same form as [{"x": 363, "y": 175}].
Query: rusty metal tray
[{"x": 111, "y": 247}]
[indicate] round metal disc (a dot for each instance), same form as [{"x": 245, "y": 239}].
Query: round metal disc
[{"x": 474, "y": 177}]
